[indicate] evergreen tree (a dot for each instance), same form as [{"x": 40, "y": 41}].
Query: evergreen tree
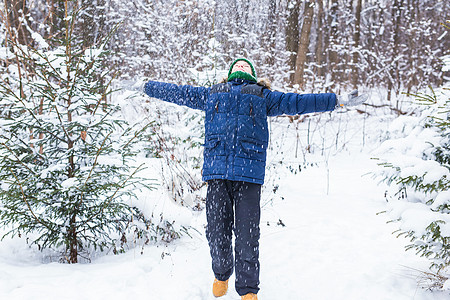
[
  {"x": 66, "y": 158},
  {"x": 421, "y": 176},
  {"x": 424, "y": 183}
]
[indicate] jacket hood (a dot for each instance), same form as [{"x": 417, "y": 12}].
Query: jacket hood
[{"x": 262, "y": 82}]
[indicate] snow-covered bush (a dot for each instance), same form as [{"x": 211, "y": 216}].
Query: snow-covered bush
[
  {"x": 177, "y": 143},
  {"x": 67, "y": 167},
  {"x": 417, "y": 166}
]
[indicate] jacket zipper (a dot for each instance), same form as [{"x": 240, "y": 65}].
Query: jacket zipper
[
  {"x": 252, "y": 114},
  {"x": 216, "y": 110}
]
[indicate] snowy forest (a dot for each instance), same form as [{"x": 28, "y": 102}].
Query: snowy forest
[
  {"x": 320, "y": 45},
  {"x": 356, "y": 200}
]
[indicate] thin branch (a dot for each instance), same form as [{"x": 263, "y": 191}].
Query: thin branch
[
  {"x": 112, "y": 196},
  {"x": 25, "y": 198},
  {"x": 137, "y": 133},
  {"x": 62, "y": 124},
  {"x": 33, "y": 115},
  {"x": 93, "y": 166},
  {"x": 18, "y": 159},
  {"x": 104, "y": 94}
]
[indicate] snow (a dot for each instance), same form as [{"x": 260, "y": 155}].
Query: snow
[
  {"x": 441, "y": 198},
  {"x": 333, "y": 247},
  {"x": 69, "y": 183},
  {"x": 446, "y": 62},
  {"x": 39, "y": 39},
  {"x": 5, "y": 54},
  {"x": 334, "y": 244}
]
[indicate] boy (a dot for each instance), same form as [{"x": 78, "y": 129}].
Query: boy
[{"x": 236, "y": 140}]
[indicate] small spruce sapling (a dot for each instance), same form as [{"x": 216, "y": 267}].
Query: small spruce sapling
[
  {"x": 67, "y": 165},
  {"x": 433, "y": 241},
  {"x": 427, "y": 174}
]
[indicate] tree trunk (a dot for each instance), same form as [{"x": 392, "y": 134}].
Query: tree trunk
[
  {"x": 292, "y": 33},
  {"x": 304, "y": 44},
  {"x": 412, "y": 42},
  {"x": 319, "y": 41},
  {"x": 395, "y": 41},
  {"x": 72, "y": 240},
  {"x": 16, "y": 10},
  {"x": 219, "y": 23},
  {"x": 398, "y": 4},
  {"x": 93, "y": 21},
  {"x": 244, "y": 10},
  {"x": 270, "y": 37},
  {"x": 357, "y": 38},
  {"x": 332, "y": 52},
  {"x": 56, "y": 16}
]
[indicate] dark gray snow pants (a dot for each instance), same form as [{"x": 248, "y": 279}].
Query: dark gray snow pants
[{"x": 234, "y": 205}]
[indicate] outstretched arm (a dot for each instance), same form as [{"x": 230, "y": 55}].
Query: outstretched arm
[
  {"x": 293, "y": 104},
  {"x": 193, "y": 97}
]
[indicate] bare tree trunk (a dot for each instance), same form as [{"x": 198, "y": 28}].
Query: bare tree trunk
[
  {"x": 412, "y": 38},
  {"x": 56, "y": 16},
  {"x": 244, "y": 12},
  {"x": 332, "y": 52},
  {"x": 219, "y": 23},
  {"x": 319, "y": 42},
  {"x": 93, "y": 21},
  {"x": 395, "y": 42},
  {"x": 357, "y": 38},
  {"x": 398, "y": 4},
  {"x": 304, "y": 44},
  {"x": 16, "y": 10},
  {"x": 272, "y": 29},
  {"x": 292, "y": 33}
]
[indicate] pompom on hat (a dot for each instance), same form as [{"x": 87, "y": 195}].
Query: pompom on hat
[{"x": 240, "y": 74}]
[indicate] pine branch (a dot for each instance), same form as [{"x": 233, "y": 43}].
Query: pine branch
[
  {"x": 24, "y": 106},
  {"x": 105, "y": 93},
  {"x": 92, "y": 169},
  {"x": 18, "y": 159},
  {"x": 25, "y": 199},
  {"x": 62, "y": 125},
  {"x": 111, "y": 198},
  {"x": 74, "y": 81},
  {"x": 48, "y": 63}
]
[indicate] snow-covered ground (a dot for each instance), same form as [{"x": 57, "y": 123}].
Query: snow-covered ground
[{"x": 333, "y": 245}]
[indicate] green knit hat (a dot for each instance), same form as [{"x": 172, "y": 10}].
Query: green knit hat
[{"x": 240, "y": 74}]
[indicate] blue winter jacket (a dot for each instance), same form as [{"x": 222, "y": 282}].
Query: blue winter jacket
[{"x": 236, "y": 131}]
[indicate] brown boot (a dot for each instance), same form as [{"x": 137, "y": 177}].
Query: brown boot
[
  {"x": 249, "y": 296},
  {"x": 220, "y": 288}
]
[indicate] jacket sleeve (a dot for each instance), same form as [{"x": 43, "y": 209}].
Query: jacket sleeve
[
  {"x": 190, "y": 96},
  {"x": 296, "y": 104}
]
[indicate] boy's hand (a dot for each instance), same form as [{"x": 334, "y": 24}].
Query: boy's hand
[
  {"x": 131, "y": 85},
  {"x": 351, "y": 99}
]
